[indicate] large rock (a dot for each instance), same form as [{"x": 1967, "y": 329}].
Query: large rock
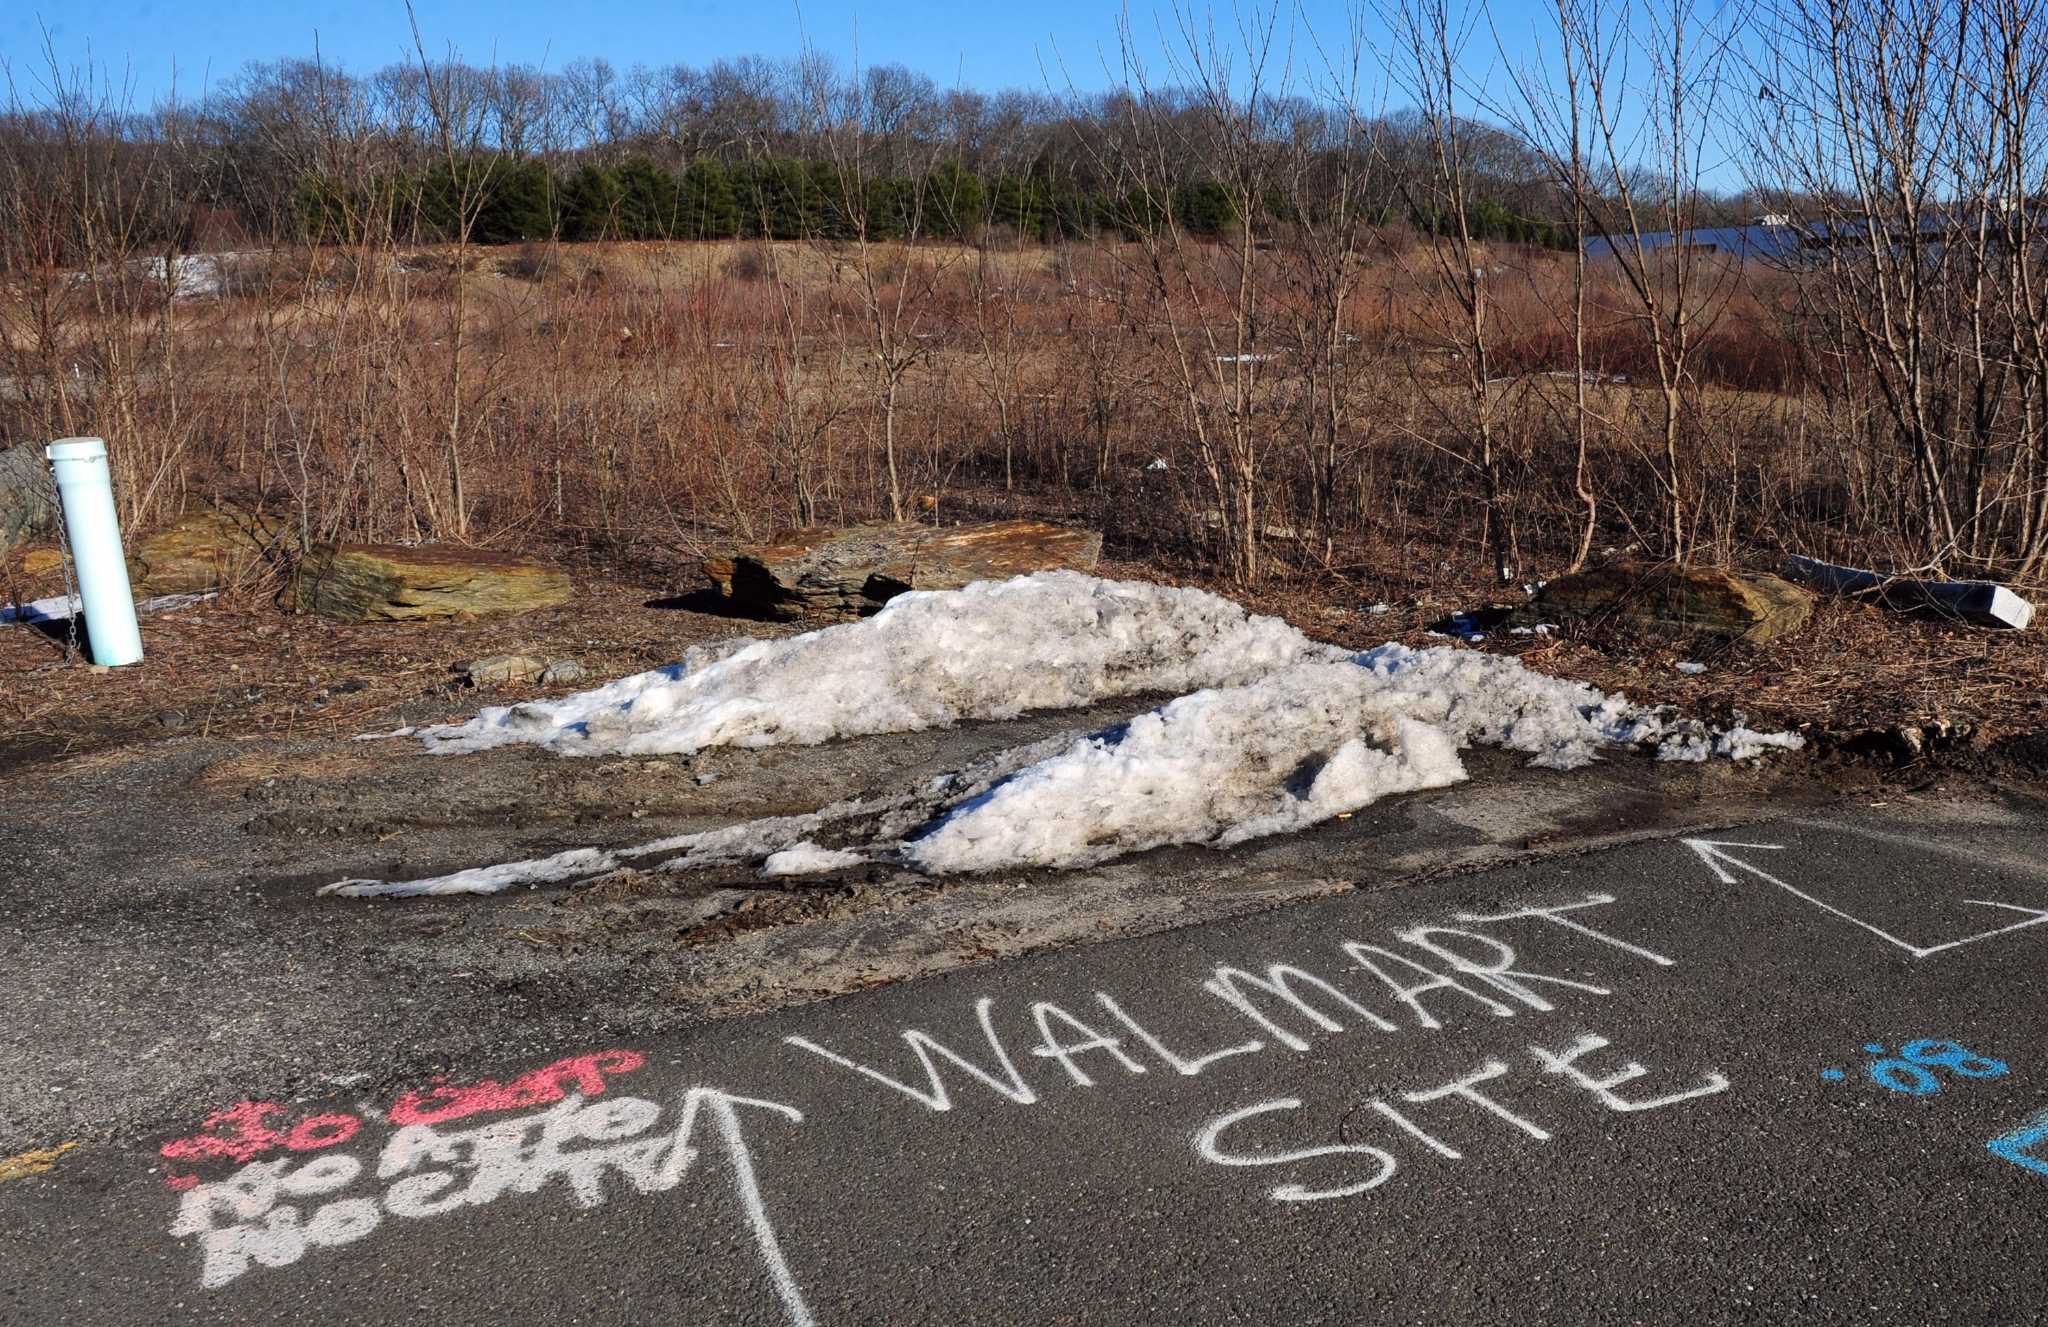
[
  {"x": 28, "y": 497},
  {"x": 393, "y": 583},
  {"x": 500, "y": 669},
  {"x": 203, "y": 550},
  {"x": 1709, "y": 600},
  {"x": 835, "y": 572}
]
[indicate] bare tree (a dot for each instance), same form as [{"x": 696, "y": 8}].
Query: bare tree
[
  {"x": 459, "y": 118},
  {"x": 896, "y": 288},
  {"x": 1549, "y": 112},
  {"x": 1432, "y": 38},
  {"x": 1332, "y": 174},
  {"x": 1210, "y": 299},
  {"x": 1653, "y": 89}
]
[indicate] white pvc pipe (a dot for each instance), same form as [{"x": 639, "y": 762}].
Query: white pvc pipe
[{"x": 87, "y": 492}]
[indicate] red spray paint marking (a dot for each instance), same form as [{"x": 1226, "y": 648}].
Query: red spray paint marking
[
  {"x": 242, "y": 1133},
  {"x": 443, "y": 1101}
]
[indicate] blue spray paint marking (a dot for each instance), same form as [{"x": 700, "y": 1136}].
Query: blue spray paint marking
[
  {"x": 1911, "y": 1072},
  {"x": 2017, "y": 1146}
]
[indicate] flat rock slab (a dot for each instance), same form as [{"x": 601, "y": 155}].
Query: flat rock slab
[
  {"x": 1710, "y": 600},
  {"x": 835, "y": 572},
  {"x": 28, "y": 497},
  {"x": 394, "y": 583},
  {"x": 209, "y": 549}
]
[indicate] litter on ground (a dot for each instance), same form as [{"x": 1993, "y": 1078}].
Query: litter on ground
[{"x": 61, "y": 608}]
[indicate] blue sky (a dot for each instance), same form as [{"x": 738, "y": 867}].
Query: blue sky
[{"x": 151, "y": 46}]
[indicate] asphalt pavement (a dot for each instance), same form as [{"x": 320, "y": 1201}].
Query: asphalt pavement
[{"x": 1795, "y": 1072}]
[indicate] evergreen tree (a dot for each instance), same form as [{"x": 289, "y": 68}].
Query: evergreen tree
[
  {"x": 1019, "y": 204},
  {"x": 518, "y": 204},
  {"x": 955, "y": 202},
  {"x": 780, "y": 198},
  {"x": 649, "y": 203},
  {"x": 710, "y": 209},
  {"x": 825, "y": 213},
  {"x": 591, "y": 199},
  {"x": 1204, "y": 208},
  {"x": 890, "y": 201}
]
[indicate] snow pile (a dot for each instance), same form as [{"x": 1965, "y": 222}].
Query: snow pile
[
  {"x": 1275, "y": 734},
  {"x": 1696, "y": 742},
  {"x": 1280, "y": 754},
  {"x": 190, "y": 275},
  {"x": 995, "y": 650},
  {"x": 807, "y": 858}
]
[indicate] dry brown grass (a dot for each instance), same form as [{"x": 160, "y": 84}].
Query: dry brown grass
[{"x": 626, "y": 406}]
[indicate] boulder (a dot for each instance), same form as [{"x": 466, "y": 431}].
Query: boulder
[
  {"x": 28, "y": 497},
  {"x": 500, "y": 669},
  {"x": 394, "y": 583},
  {"x": 1709, "y": 600},
  {"x": 202, "y": 550},
  {"x": 849, "y": 572}
]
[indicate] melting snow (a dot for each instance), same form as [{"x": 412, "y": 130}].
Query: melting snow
[
  {"x": 808, "y": 858},
  {"x": 1696, "y": 742},
  {"x": 1276, "y": 732},
  {"x": 995, "y": 650}
]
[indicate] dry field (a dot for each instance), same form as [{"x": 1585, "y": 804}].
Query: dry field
[{"x": 625, "y": 407}]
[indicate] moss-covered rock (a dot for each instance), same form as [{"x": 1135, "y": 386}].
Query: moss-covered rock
[
  {"x": 395, "y": 583},
  {"x": 1710, "y": 600},
  {"x": 834, "y": 572},
  {"x": 208, "y": 549},
  {"x": 28, "y": 498}
]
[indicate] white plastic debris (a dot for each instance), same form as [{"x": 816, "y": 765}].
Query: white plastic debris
[
  {"x": 1984, "y": 603},
  {"x": 1690, "y": 669}
]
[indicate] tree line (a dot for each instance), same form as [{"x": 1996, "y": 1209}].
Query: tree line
[
  {"x": 515, "y": 200},
  {"x": 295, "y": 150},
  {"x": 1231, "y": 198}
]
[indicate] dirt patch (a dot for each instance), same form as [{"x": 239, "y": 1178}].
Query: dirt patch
[
  {"x": 239, "y": 666},
  {"x": 2027, "y": 754}
]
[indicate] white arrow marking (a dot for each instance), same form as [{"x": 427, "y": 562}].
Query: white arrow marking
[{"x": 1719, "y": 862}]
